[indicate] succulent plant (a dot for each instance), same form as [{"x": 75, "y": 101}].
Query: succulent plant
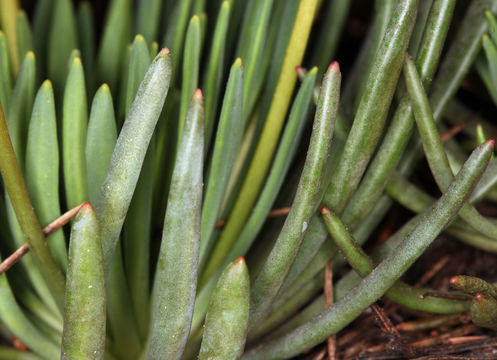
[{"x": 167, "y": 142}]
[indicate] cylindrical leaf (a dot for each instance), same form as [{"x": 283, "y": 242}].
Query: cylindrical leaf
[
  {"x": 227, "y": 317},
  {"x": 176, "y": 274},
  {"x": 42, "y": 168},
  {"x": 74, "y": 126},
  {"x": 83, "y": 336},
  {"x": 129, "y": 153}
]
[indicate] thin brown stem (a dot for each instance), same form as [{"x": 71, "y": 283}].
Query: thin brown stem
[
  {"x": 328, "y": 301},
  {"x": 390, "y": 328},
  {"x": 30, "y": 226},
  {"x": 456, "y": 129},
  {"x": 49, "y": 229},
  {"x": 427, "y": 276}
]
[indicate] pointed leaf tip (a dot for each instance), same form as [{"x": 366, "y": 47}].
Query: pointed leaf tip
[
  {"x": 334, "y": 66},
  {"x": 47, "y": 83},
  {"x": 480, "y": 296},
  {"x": 198, "y": 94},
  {"x": 491, "y": 142},
  {"x": 325, "y": 210},
  {"x": 165, "y": 52},
  {"x": 453, "y": 280},
  {"x": 240, "y": 259},
  {"x": 104, "y": 87},
  {"x": 86, "y": 206}
]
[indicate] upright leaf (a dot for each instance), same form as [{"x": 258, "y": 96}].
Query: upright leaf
[
  {"x": 178, "y": 257},
  {"x": 83, "y": 336},
  {"x": 74, "y": 127},
  {"x": 42, "y": 168},
  {"x": 129, "y": 153},
  {"x": 100, "y": 140},
  {"x": 227, "y": 317}
]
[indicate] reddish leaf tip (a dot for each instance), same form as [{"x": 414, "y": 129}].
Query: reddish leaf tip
[
  {"x": 240, "y": 259},
  {"x": 479, "y": 296},
  {"x": 453, "y": 280},
  {"x": 86, "y": 205},
  {"x": 165, "y": 51},
  {"x": 491, "y": 142},
  {"x": 334, "y": 66},
  {"x": 325, "y": 210},
  {"x": 198, "y": 94}
]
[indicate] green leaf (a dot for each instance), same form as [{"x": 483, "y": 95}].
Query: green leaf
[
  {"x": 492, "y": 25},
  {"x": 24, "y": 34},
  {"x": 472, "y": 285},
  {"x": 324, "y": 47},
  {"x": 373, "y": 107},
  {"x": 147, "y": 19},
  {"x": 491, "y": 54},
  {"x": 14, "y": 185},
  {"x": 42, "y": 168},
  {"x": 6, "y": 83},
  {"x": 21, "y": 103},
  {"x": 214, "y": 72},
  {"x": 116, "y": 35},
  {"x": 176, "y": 274},
  {"x": 400, "y": 292},
  {"x": 399, "y": 132},
  {"x": 363, "y": 66},
  {"x": 397, "y": 262},
  {"x": 83, "y": 336},
  {"x": 434, "y": 151},
  {"x": 227, "y": 317},
  {"x": 483, "y": 311},
  {"x": 175, "y": 32},
  {"x": 139, "y": 61},
  {"x": 100, "y": 140},
  {"x": 460, "y": 56},
  {"x": 13, "y": 316},
  {"x": 137, "y": 228},
  {"x": 129, "y": 153},
  {"x": 227, "y": 143},
  {"x": 191, "y": 64},
  {"x": 8, "y": 16},
  {"x": 41, "y": 32},
  {"x": 276, "y": 267},
  {"x": 283, "y": 159},
  {"x": 272, "y": 127},
  {"x": 74, "y": 128},
  {"x": 86, "y": 40},
  {"x": 62, "y": 40}
]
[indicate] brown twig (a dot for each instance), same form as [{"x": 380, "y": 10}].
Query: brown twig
[
  {"x": 328, "y": 301},
  {"x": 18, "y": 344},
  {"x": 49, "y": 229},
  {"x": 320, "y": 355},
  {"x": 427, "y": 276},
  {"x": 456, "y": 129},
  {"x": 390, "y": 328},
  {"x": 272, "y": 214}
]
